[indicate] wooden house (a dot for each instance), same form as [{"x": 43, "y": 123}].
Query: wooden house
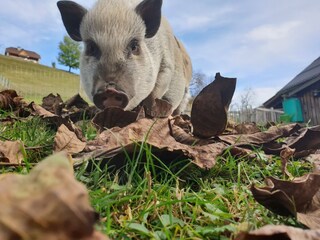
[
  {"x": 301, "y": 96},
  {"x": 22, "y": 54}
]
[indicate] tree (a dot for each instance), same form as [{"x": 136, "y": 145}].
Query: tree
[
  {"x": 69, "y": 53},
  {"x": 198, "y": 82},
  {"x": 247, "y": 99}
]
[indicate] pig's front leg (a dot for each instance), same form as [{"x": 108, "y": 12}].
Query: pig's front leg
[{"x": 160, "y": 89}]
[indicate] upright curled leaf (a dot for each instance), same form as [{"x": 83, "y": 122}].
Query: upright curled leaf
[{"x": 210, "y": 107}]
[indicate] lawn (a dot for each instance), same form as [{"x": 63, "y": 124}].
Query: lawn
[
  {"x": 34, "y": 81},
  {"x": 150, "y": 200}
]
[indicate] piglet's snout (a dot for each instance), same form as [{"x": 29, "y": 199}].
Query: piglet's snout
[{"x": 110, "y": 98}]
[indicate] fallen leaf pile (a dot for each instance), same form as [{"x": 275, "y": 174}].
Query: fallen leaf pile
[{"x": 202, "y": 137}]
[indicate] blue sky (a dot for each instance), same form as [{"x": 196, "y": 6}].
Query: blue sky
[{"x": 263, "y": 43}]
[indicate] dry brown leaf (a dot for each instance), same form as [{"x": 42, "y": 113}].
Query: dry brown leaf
[
  {"x": 9, "y": 99},
  {"x": 77, "y": 109},
  {"x": 247, "y": 128},
  {"x": 54, "y": 120},
  {"x": 309, "y": 139},
  {"x": 314, "y": 158},
  {"x": 11, "y": 152},
  {"x": 210, "y": 107},
  {"x": 76, "y": 115},
  {"x": 285, "y": 155},
  {"x": 46, "y": 204},
  {"x": 183, "y": 121},
  {"x": 300, "y": 197},
  {"x": 66, "y": 140},
  {"x": 74, "y": 109},
  {"x": 155, "y": 133},
  {"x": 240, "y": 153},
  {"x": 264, "y": 140},
  {"x": 160, "y": 109},
  {"x": 9, "y": 120},
  {"x": 53, "y": 104},
  {"x": 316, "y": 164},
  {"x": 116, "y": 117},
  {"x": 270, "y": 135},
  {"x": 40, "y": 111},
  {"x": 76, "y": 101},
  {"x": 271, "y": 232},
  {"x": 180, "y": 130}
]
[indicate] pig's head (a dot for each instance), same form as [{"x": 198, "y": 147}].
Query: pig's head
[{"x": 116, "y": 66}]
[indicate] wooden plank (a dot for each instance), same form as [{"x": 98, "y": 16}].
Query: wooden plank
[
  {"x": 304, "y": 106},
  {"x": 313, "y": 106},
  {"x": 310, "y": 116},
  {"x": 317, "y": 109}
]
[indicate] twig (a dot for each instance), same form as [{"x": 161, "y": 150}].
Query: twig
[{"x": 4, "y": 164}]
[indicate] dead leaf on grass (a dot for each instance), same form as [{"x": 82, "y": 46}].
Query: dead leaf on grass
[
  {"x": 66, "y": 140},
  {"x": 160, "y": 109},
  {"x": 300, "y": 197},
  {"x": 271, "y": 134},
  {"x": 77, "y": 109},
  {"x": 210, "y": 107},
  {"x": 285, "y": 155},
  {"x": 247, "y": 128},
  {"x": 9, "y": 99},
  {"x": 314, "y": 158},
  {"x": 308, "y": 139},
  {"x": 155, "y": 133},
  {"x": 11, "y": 152},
  {"x": 76, "y": 101},
  {"x": 180, "y": 130},
  {"x": 116, "y": 117},
  {"x": 239, "y": 153},
  {"x": 40, "y": 111},
  {"x": 46, "y": 204},
  {"x": 264, "y": 140},
  {"x": 9, "y": 120},
  {"x": 281, "y": 232},
  {"x": 54, "y": 120},
  {"x": 53, "y": 104},
  {"x": 74, "y": 109}
]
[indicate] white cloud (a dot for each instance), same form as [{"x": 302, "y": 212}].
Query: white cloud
[
  {"x": 273, "y": 32},
  {"x": 188, "y": 16}
]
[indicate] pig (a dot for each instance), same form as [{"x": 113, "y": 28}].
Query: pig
[{"x": 131, "y": 56}]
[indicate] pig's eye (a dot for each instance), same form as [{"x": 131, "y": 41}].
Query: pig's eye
[
  {"x": 134, "y": 47},
  {"x": 92, "y": 49}
]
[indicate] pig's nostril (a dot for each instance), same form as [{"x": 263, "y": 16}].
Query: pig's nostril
[{"x": 119, "y": 98}]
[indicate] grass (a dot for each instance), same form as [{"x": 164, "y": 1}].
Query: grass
[
  {"x": 150, "y": 200},
  {"x": 34, "y": 81},
  {"x": 33, "y": 132}
]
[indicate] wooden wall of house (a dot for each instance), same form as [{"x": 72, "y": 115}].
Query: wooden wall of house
[{"x": 311, "y": 104}]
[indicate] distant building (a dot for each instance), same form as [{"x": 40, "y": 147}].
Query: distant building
[
  {"x": 23, "y": 54},
  {"x": 300, "y": 98}
]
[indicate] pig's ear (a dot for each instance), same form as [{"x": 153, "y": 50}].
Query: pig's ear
[
  {"x": 72, "y": 15},
  {"x": 150, "y": 12}
]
